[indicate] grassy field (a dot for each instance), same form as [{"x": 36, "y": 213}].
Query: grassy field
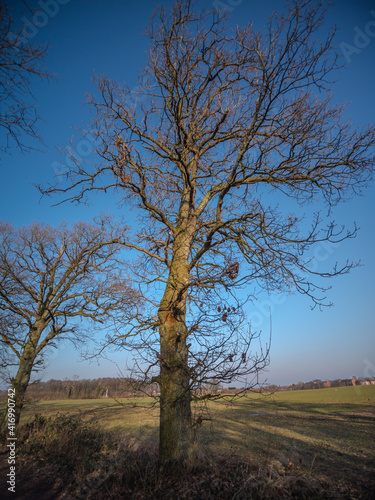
[
  {"x": 322, "y": 430},
  {"x": 325, "y": 433},
  {"x": 329, "y": 432}
]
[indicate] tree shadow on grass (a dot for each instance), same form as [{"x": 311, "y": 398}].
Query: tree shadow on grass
[
  {"x": 329, "y": 443},
  {"x": 260, "y": 457}
]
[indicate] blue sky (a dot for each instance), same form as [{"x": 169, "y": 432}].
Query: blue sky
[{"x": 88, "y": 36}]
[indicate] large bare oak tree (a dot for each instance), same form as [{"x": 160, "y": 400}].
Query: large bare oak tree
[
  {"x": 229, "y": 134},
  {"x": 51, "y": 279}
]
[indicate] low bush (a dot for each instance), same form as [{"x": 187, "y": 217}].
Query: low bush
[{"x": 63, "y": 440}]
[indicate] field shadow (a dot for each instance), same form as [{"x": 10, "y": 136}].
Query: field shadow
[{"x": 334, "y": 444}]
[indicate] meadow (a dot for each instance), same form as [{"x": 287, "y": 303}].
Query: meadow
[{"x": 324, "y": 436}]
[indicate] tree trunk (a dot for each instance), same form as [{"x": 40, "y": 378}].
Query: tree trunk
[
  {"x": 20, "y": 384},
  {"x": 176, "y": 437},
  {"x": 176, "y": 433}
]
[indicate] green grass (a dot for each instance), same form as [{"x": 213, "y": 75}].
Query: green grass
[{"x": 352, "y": 395}]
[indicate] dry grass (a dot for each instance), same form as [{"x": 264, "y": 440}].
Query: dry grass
[{"x": 307, "y": 444}]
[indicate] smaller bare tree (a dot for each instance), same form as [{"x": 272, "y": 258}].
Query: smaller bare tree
[
  {"x": 50, "y": 280},
  {"x": 19, "y": 63}
]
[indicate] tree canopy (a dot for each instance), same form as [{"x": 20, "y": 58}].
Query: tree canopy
[{"x": 51, "y": 279}]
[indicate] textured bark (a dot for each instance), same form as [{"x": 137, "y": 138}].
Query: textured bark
[
  {"x": 20, "y": 384},
  {"x": 176, "y": 444},
  {"x": 176, "y": 436}
]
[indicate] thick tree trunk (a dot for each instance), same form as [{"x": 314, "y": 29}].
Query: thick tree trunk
[
  {"x": 176, "y": 437},
  {"x": 19, "y": 384},
  {"x": 21, "y": 381},
  {"x": 176, "y": 434}
]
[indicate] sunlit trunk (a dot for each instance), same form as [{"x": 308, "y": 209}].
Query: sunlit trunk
[
  {"x": 176, "y": 436},
  {"x": 21, "y": 381},
  {"x": 176, "y": 445},
  {"x": 19, "y": 385}
]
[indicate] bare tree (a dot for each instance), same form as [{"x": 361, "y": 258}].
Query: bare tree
[
  {"x": 19, "y": 64},
  {"x": 51, "y": 279},
  {"x": 228, "y": 135}
]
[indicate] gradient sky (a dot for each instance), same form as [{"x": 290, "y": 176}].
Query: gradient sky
[{"x": 88, "y": 36}]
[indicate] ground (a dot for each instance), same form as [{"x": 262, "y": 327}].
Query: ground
[{"x": 300, "y": 444}]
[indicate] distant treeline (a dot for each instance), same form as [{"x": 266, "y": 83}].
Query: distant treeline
[
  {"x": 88, "y": 389},
  {"x": 127, "y": 387}
]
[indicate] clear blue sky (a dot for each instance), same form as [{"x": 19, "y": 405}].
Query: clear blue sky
[{"x": 87, "y": 36}]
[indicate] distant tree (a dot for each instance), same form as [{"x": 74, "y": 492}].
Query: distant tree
[
  {"x": 214, "y": 386},
  {"x": 318, "y": 384},
  {"x": 97, "y": 393},
  {"x": 20, "y": 63},
  {"x": 272, "y": 388},
  {"x": 226, "y": 138},
  {"x": 50, "y": 280}
]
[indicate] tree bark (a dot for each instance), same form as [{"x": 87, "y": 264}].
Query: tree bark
[
  {"x": 176, "y": 443},
  {"x": 176, "y": 434},
  {"x": 21, "y": 382}
]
